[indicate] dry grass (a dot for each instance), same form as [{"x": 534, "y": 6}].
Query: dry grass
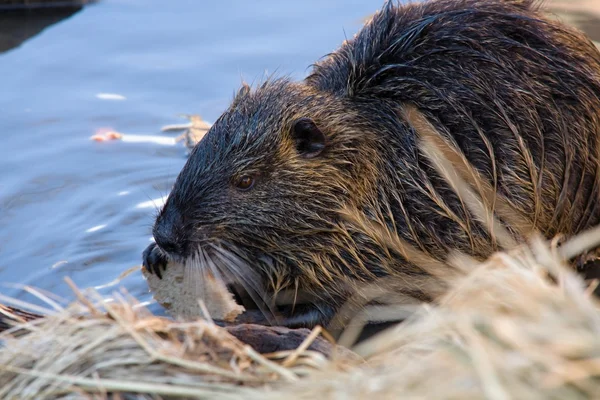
[
  {"x": 83, "y": 350},
  {"x": 522, "y": 325}
]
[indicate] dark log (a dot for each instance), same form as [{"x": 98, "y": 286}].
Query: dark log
[{"x": 271, "y": 339}]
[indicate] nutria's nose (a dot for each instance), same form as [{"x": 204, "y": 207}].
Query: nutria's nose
[
  {"x": 168, "y": 233},
  {"x": 168, "y": 245}
]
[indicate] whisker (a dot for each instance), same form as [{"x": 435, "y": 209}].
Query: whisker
[
  {"x": 243, "y": 274},
  {"x": 296, "y": 285},
  {"x": 212, "y": 267},
  {"x": 242, "y": 271},
  {"x": 195, "y": 275}
]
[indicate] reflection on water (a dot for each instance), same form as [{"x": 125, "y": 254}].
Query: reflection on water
[{"x": 73, "y": 207}]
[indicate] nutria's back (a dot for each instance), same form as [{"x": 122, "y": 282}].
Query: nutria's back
[
  {"x": 260, "y": 199},
  {"x": 504, "y": 85}
]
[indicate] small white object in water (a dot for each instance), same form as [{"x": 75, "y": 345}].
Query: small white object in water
[
  {"x": 96, "y": 228},
  {"x": 154, "y": 203},
  {"x": 110, "y": 96},
  {"x": 59, "y": 263},
  {"x": 164, "y": 140}
]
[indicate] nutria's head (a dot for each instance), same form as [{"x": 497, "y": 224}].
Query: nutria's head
[{"x": 257, "y": 200}]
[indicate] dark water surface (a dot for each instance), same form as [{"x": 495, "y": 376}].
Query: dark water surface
[{"x": 73, "y": 207}]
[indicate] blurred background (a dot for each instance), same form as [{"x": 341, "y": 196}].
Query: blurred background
[{"x": 70, "y": 206}]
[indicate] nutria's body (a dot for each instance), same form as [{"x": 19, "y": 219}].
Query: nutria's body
[{"x": 259, "y": 199}]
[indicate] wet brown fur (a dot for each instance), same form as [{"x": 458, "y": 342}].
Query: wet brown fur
[{"x": 513, "y": 96}]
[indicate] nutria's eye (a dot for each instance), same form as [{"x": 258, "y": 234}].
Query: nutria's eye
[
  {"x": 309, "y": 139},
  {"x": 245, "y": 182}
]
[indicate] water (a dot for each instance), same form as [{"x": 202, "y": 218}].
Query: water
[{"x": 70, "y": 207}]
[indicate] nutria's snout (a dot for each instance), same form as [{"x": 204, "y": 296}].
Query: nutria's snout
[
  {"x": 170, "y": 241},
  {"x": 169, "y": 235},
  {"x": 154, "y": 260}
]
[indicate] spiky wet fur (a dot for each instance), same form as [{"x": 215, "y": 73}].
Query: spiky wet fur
[{"x": 515, "y": 94}]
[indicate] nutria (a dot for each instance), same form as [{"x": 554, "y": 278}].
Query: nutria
[{"x": 259, "y": 201}]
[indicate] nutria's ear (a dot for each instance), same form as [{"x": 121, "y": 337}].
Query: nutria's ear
[{"x": 308, "y": 138}]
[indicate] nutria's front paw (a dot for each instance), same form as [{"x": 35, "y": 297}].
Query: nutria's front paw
[{"x": 154, "y": 260}]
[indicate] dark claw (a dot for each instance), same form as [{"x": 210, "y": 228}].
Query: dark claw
[{"x": 154, "y": 260}]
